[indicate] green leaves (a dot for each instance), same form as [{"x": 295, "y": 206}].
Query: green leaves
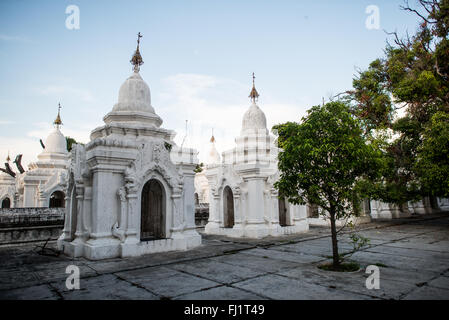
[
  {"x": 324, "y": 156},
  {"x": 433, "y": 162},
  {"x": 415, "y": 75}
]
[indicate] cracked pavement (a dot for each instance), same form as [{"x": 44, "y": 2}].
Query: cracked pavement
[{"x": 412, "y": 255}]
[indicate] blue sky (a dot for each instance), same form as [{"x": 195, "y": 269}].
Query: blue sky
[{"x": 199, "y": 56}]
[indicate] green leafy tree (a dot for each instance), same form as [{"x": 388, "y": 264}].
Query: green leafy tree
[
  {"x": 433, "y": 162},
  {"x": 414, "y": 76},
  {"x": 326, "y": 160},
  {"x": 70, "y": 142}
]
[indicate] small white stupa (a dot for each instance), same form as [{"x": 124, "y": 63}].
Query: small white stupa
[
  {"x": 242, "y": 199},
  {"x": 7, "y": 188},
  {"x": 201, "y": 183},
  {"x": 44, "y": 184}
]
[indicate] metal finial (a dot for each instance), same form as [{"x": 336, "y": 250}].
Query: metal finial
[
  {"x": 254, "y": 94},
  {"x": 8, "y": 159},
  {"x": 137, "y": 60},
  {"x": 58, "y": 121},
  {"x": 138, "y": 38},
  {"x": 212, "y": 139}
]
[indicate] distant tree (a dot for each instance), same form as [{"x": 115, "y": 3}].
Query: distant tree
[
  {"x": 326, "y": 160},
  {"x": 199, "y": 168}
]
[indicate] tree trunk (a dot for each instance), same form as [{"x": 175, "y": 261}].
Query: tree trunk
[{"x": 335, "y": 256}]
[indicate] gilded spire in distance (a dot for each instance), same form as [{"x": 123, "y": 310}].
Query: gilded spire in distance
[
  {"x": 137, "y": 60},
  {"x": 8, "y": 159},
  {"x": 254, "y": 94},
  {"x": 212, "y": 139},
  {"x": 58, "y": 121}
]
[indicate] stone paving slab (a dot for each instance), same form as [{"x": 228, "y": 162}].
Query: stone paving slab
[
  {"x": 400, "y": 262},
  {"x": 278, "y": 287},
  {"x": 105, "y": 267},
  {"x": 379, "y": 234},
  {"x": 405, "y": 229},
  {"x": 418, "y": 244},
  {"x": 301, "y": 258},
  {"x": 220, "y": 293},
  {"x": 39, "y": 292},
  {"x": 104, "y": 287},
  {"x": 407, "y": 252},
  {"x": 15, "y": 277},
  {"x": 327, "y": 243},
  {"x": 440, "y": 282},
  {"x": 407, "y": 276},
  {"x": 306, "y": 248},
  {"x": 217, "y": 271},
  {"x": 166, "y": 282},
  {"x": 428, "y": 293},
  {"x": 351, "y": 282},
  {"x": 254, "y": 262},
  {"x": 412, "y": 255}
]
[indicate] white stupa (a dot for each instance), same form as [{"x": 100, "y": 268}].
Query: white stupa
[
  {"x": 242, "y": 199},
  {"x": 44, "y": 184},
  {"x": 201, "y": 183},
  {"x": 7, "y": 188},
  {"x": 131, "y": 188}
]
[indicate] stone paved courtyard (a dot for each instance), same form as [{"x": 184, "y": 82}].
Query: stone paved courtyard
[{"x": 412, "y": 254}]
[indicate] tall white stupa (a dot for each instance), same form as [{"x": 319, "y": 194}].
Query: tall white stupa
[
  {"x": 242, "y": 199},
  {"x": 131, "y": 188}
]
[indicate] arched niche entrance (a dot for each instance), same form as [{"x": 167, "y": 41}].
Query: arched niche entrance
[
  {"x": 73, "y": 209},
  {"x": 197, "y": 199},
  {"x": 228, "y": 207},
  {"x": 282, "y": 212},
  {"x": 57, "y": 200},
  {"x": 6, "y": 203},
  {"x": 312, "y": 211},
  {"x": 152, "y": 221}
]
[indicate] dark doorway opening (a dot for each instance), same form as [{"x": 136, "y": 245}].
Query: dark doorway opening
[
  {"x": 282, "y": 212},
  {"x": 6, "y": 203},
  {"x": 228, "y": 203},
  {"x": 152, "y": 212},
  {"x": 57, "y": 200},
  {"x": 197, "y": 200}
]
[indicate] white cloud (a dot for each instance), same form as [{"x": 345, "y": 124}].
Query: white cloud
[
  {"x": 211, "y": 102},
  {"x": 59, "y": 91}
]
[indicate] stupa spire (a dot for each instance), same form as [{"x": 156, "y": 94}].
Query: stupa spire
[
  {"x": 212, "y": 139},
  {"x": 254, "y": 95},
  {"x": 8, "y": 159},
  {"x": 58, "y": 121},
  {"x": 137, "y": 60}
]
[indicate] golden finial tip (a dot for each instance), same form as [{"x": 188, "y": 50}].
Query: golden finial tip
[
  {"x": 212, "y": 139},
  {"x": 254, "y": 95},
  {"x": 58, "y": 120},
  {"x": 137, "y": 60}
]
